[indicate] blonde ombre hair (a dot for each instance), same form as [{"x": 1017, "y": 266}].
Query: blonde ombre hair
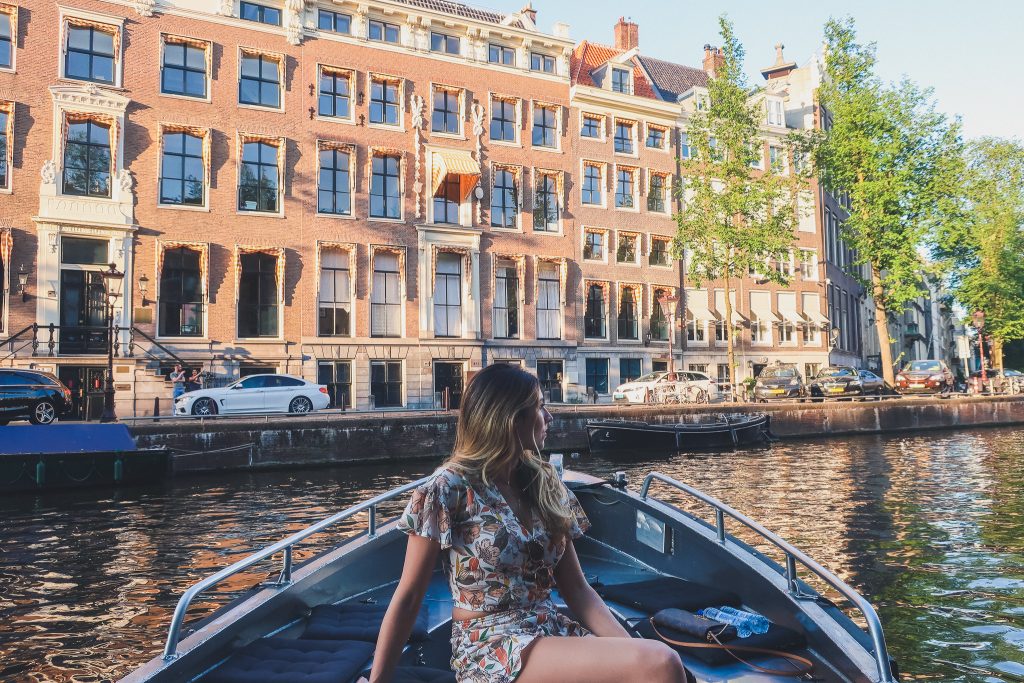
[{"x": 495, "y": 402}]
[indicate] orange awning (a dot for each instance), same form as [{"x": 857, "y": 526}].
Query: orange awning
[{"x": 455, "y": 162}]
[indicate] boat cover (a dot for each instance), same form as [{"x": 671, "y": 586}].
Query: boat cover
[{"x": 65, "y": 438}]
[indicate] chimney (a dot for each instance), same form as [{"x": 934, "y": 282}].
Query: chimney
[
  {"x": 714, "y": 59},
  {"x": 781, "y": 67},
  {"x": 627, "y": 35},
  {"x": 530, "y": 12}
]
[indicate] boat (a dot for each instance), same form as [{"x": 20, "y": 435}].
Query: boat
[
  {"x": 703, "y": 432},
  {"x": 641, "y": 553}
]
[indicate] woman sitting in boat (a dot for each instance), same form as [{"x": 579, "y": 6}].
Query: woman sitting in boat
[{"x": 505, "y": 524}]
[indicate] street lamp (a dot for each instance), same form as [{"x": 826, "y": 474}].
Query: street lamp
[
  {"x": 110, "y": 278},
  {"x": 668, "y": 309},
  {"x": 833, "y": 337},
  {"x": 143, "y": 289},
  {"x": 22, "y": 282},
  {"x": 979, "y": 324}
]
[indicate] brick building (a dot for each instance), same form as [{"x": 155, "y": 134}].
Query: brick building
[{"x": 383, "y": 196}]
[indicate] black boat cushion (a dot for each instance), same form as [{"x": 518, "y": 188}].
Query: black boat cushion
[
  {"x": 653, "y": 595},
  {"x": 356, "y": 621},
  {"x": 419, "y": 674},
  {"x": 285, "y": 660},
  {"x": 776, "y": 638}
]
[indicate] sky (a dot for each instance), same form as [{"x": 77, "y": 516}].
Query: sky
[{"x": 970, "y": 53}]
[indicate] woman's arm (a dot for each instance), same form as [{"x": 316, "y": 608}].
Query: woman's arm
[
  {"x": 584, "y": 602},
  {"x": 420, "y": 559}
]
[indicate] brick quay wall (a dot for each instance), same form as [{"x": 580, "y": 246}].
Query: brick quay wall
[{"x": 333, "y": 439}]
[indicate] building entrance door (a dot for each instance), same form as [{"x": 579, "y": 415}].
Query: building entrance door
[
  {"x": 549, "y": 372},
  {"x": 448, "y": 381},
  {"x": 83, "y": 314},
  {"x": 337, "y": 376},
  {"x": 86, "y": 385}
]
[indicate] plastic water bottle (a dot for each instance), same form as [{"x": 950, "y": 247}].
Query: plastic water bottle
[
  {"x": 742, "y": 627},
  {"x": 758, "y": 623}
]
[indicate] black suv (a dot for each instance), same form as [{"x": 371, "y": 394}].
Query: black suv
[{"x": 38, "y": 396}]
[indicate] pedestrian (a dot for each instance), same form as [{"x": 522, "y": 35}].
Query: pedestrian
[
  {"x": 178, "y": 378},
  {"x": 505, "y": 523},
  {"x": 195, "y": 381}
]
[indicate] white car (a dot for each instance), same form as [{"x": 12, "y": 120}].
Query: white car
[
  {"x": 645, "y": 389},
  {"x": 256, "y": 394}
]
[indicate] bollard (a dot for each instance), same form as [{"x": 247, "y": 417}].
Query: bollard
[
  {"x": 156, "y": 408},
  {"x": 40, "y": 473},
  {"x": 118, "y": 470}
]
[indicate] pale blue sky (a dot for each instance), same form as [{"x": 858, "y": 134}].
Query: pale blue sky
[{"x": 971, "y": 53}]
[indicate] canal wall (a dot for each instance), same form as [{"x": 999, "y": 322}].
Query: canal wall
[{"x": 329, "y": 439}]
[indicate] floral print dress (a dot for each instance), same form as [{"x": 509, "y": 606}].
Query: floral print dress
[{"x": 494, "y": 564}]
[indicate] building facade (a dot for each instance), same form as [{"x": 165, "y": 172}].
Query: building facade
[{"x": 381, "y": 196}]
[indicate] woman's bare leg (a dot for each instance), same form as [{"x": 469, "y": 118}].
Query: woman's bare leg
[{"x": 599, "y": 660}]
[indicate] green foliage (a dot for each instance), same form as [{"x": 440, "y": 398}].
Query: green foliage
[{"x": 983, "y": 254}]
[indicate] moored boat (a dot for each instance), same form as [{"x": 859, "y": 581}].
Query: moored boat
[
  {"x": 321, "y": 618},
  {"x": 703, "y": 432}
]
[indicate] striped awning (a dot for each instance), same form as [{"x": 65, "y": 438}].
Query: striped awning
[{"x": 455, "y": 162}]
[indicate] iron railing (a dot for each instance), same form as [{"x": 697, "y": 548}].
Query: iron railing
[{"x": 793, "y": 556}]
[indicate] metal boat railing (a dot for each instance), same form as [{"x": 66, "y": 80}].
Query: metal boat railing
[
  {"x": 793, "y": 555},
  {"x": 285, "y": 546}
]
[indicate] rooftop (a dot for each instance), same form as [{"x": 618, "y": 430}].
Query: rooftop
[
  {"x": 459, "y": 9},
  {"x": 589, "y": 56},
  {"x": 671, "y": 79}
]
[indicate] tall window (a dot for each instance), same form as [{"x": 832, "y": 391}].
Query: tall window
[
  {"x": 685, "y": 151},
  {"x": 385, "y": 197},
  {"x": 591, "y": 127},
  {"x": 656, "y": 193},
  {"x": 334, "y": 186},
  {"x": 250, "y": 11},
  {"x": 87, "y": 163},
  {"x": 546, "y": 211},
  {"x": 620, "y": 81},
  {"x": 655, "y": 137},
  {"x": 549, "y": 297},
  {"x": 723, "y": 373},
  {"x": 720, "y": 332},
  {"x": 440, "y": 42},
  {"x": 6, "y": 41},
  {"x": 258, "y": 185},
  {"x": 626, "y": 251},
  {"x": 383, "y": 31},
  {"x": 335, "y": 304},
  {"x": 335, "y": 22},
  {"x": 659, "y": 252},
  {"x": 503, "y": 199},
  {"x": 594, "y": 316},
  {"x": 181, "y": 294},
  {"x": 499, "y": 54},
  {"x": 335, "y": 94},
  {"x": 90, "y": 53},
  {"x": 448, "y": 296},
  {"x": 592, "y": 184},
  {"x": 260, "y": 81},
  {"x": 182, "y": 170},
  {"x": 696, "y": 331},
  {"x": 629, "y": 369},
  {"x": 506, "y": 301},
  {"x": 623, "y": 137},
  {"x": 384, "y": 102},
  {"x": 775, "y": 113},
  {"x": 624, "y": 188},
  {"x": 184, "y": 69},
  {"x": 445, "y": 116},
  {"x": 4, "y": 142},
  {"x": 809, "y": 264},
  {"x": 659, "y": 323},
  {"x": 386, "y": 383},
  {"x": 545, "y": 126},
  {"x": 258, "y": 296},
  {"x": 777, "y": 159},
  {"x": 593, "y": 245},
  {"x": 760, "y": 331},
  {"x": 447, "y": 200},
  {"x": 597, "y": 375},
  {"x": 542, "y": 62},
  {"x": 386, "y": 297},
  {"x": 503, "y": 120},
  {"x": 628, "y": 323}
]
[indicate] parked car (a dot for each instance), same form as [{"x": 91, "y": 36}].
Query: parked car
[
  {"x": 647, "y": 388},
  {"x": 925, "y": 377},
  {"x": 36, "y": 396},
  {"x": 838, "y": 381},
  {"x": 256, "y": 394},
  {"x": 781, "y": 380}
]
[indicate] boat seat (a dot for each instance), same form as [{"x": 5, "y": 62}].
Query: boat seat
[
  {"x": 664, "y": 592},
  {"x": 420, "y": 674},
  {"x": 286, "y": 660},
  {"x": 356, "y": 621}
]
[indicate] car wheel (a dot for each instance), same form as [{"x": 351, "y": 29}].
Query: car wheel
[
  {"x": 300, "y": 405},
  {"x": 204, "y": 407},
  {"x": 43, "y": 413}
]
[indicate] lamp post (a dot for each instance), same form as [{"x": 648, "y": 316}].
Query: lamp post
[
  {"x": 668, "y": 309},
  {"x": 144, "y": 289},
  {"x": 22, "y": 282},
  {"x": 110, "y": 278},
  {"x": 979, "y": 324}
]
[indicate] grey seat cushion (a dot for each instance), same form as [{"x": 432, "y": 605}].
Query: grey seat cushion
[{"x": 285, "y": 660}]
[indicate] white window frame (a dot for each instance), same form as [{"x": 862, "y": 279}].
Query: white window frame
[
  {"x": 650, "y": 250},
  {"x": 498, "y": 261},
  {"x": 560, "y": 309},
  {"x": 518, "y": 140},
  {"x": 607, "y": 244},
  {"x": 240, "y": 141},
  {"x": 282, "y": 74},
  {"x": 605, "y": 307},
  {"x": 209, "y": 82},
  {"x": 808, "y": 264},
  {"x": 534, "y": 105},
  {"x": 665, "y": 140},
  {"x": 666, "y": 189},
  {"x": 353, "y": 94},
  {"x": 461, "y": 133},
  {"x": 692, "y": 327},
  {"x": 779, "y": 119},
  {"x": 603, "y": 127},
  {"x": 163, "y": 129},
  {"x": 519, "y": 189},
  {"x": 376, "y": 249},
  {"x": 353, "y": 167},
  {"x": 12, "y": 12},
  {"x": 603, "y": 166},
  {"x": 69, "y": 15},
  {"x": 370, "y": 77},
  {"x": 637, "y": 251},
  {"x": 634, "y": 134},
  {"x": 350, "y": 250},
  {"x": 636, "y": 188}
]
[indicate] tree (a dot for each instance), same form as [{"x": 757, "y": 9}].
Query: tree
[
  {"x": 734, "y": 218},
  {"x": 983, "y": 255},
  {"x": 899, "y": 160}
]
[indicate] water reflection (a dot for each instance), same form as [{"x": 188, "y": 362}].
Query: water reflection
[{"x": 930, "y": 528}]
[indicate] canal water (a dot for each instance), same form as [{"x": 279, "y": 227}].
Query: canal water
[{"x": 930, "y": 528}]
